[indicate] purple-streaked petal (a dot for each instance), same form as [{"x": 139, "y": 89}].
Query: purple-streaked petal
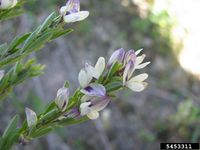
[
  {"x": 73, "y": 4},
  {"x": 100, "y": 103},
  {"x": 130, "y": 55},
  {"x": 73, "y": 113},
  {"x": 94, "y": 89},
  {"x": 117, "y": 56},
  {"x": 128, "y": 71},
  {"x": 62, "y": 98}
]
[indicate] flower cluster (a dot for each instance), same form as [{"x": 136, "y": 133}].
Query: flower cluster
[
  {"x": 97, "y": 85},
  {"x": 7, "y": 4},
  {"x": 92, "y": 79}
]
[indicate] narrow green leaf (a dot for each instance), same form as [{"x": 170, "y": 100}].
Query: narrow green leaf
[
  {"x": 47, "y": 22},
  {"x": 49, "y": 115},
  {"x": 41, "y": 132},
  {"x": 17, "y": 41},
  {"x": 30, "y": 39},
  {"x": 60, "y": 32},
  {"x": 39, "y": 42},
  {"x": 71, "y": 121},
  {"x": 11, "y": 126},
  {"x": 50, "y": 107}
]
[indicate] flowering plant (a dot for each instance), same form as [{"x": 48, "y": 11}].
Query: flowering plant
[{"x": 98, "y": 83}]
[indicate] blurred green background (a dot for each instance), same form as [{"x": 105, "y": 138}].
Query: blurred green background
[{"x": 167, "y": 111}]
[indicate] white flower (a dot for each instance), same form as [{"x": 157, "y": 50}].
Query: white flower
[
  {"x": 2, "y": 72},
  {"x": 136, "y": 83},
  {"x": 71, "y": 12},
  {"x": 98, "y": 69},
  {"x": 7, "y": 4},
  {"x": 86, "y": 74},
  {"x": 31, "y": 117},
  {"x": 62, "y": 98},
  {"x": 133, "y": 62}
]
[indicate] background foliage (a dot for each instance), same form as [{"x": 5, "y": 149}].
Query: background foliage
[{"x": 167, "y": 111}]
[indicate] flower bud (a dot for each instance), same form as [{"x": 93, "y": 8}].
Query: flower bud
[
  {"x": 2, "y": 72},
  {"x": 130, "y": 56},
  {"x": 6, "y": 4},
  {"x": 117, "y": 56},
  {"x": 31, "y": 117},
  {"x": 62, "y": 98}
]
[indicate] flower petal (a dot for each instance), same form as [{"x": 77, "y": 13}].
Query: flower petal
[
  {"x": 2, "y": 72},
  {"x": 94, "y": 89},
  {"x": 84, "y": 78},
  {"x": 14, "y": 3},
  {"x": 85, "y": 109},
  {"x": 139, "y": 59},
  {"x": 85, "y": 98},
  {"x": 73, "y": 4},
  {"x": 136, "y": 86},
  {"x": 73, "y": 113},
  {"x": 92, "y": 71},
  {"x": 62, "y": 98},
  {"x": 138, "y": 51},
  {"x": 7, "y": 4},
  {"x": 31, "y": 117},
  {"x": 63, "y": 10},
  {"x": 100, "y": 103},
  {"x": 130, "y": 55},
  {"x": 128, "y": 71},
  {"x": 142, "y": 65},
  {"x": 117, "y": 56},
  {"x": 74, "y": 17},
  {"x": 139, "y": 78},
  {"x": 93, "y": 114},
  {"x": 100, "y": 65}
]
